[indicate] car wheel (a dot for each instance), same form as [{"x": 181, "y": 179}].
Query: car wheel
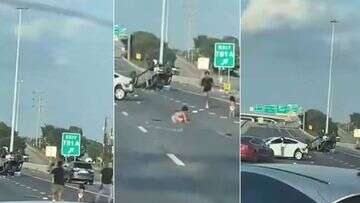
[
  {"x": 119, "y": 93},
  {"x": 298, "y": 155}
]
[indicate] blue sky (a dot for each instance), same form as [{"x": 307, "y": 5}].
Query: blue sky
[
  {"x": 67, "y": 57},
  {"x": 285, "y": 54},
  {"x": 214, "y": 18}
]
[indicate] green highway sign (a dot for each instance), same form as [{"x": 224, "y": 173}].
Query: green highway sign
[
  {"x": 70, "y": 144},
  {"x": 224, "y": 55},
  {"x": 277, "y": 109}
]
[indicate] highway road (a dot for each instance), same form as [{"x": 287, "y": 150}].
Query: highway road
[
  {"x": 35, "y": 186},
  {"x": 158, "y": 161},
  {"x": 342, "y": 157}
]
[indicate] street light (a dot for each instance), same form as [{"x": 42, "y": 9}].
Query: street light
[
  {"x": 161, "y": 54},
  {"x": 332, "y": 21},
  {"x": 12, "y": 135},
  {"x": 18, "y": 107}
]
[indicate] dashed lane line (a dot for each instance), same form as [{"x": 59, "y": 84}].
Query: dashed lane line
[
  {"x": 142, "y": 129},
  {"x": 124, "y": 113},
  {"x": 176, "y": 160}
]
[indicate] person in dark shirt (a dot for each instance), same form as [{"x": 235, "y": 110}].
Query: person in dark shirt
[
  {"x": 106, "y": 187},
  {"x": 58, "y": 181},
  {"x": 207, "y": 83}
]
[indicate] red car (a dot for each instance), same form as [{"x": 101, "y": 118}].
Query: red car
[{"x": 254, "y": 149}]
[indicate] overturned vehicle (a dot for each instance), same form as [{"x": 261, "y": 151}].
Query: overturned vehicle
[
  {"x": 9, "y": 165},
  {"x": 155, "y": 77},
  {"x": 323, "y": 143}
]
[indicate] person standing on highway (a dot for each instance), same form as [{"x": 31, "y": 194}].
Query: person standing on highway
[
  {"x": 58, "y": 181},
  {"x": 207, "y": 83},
  {"x": 106, "y": 187}
]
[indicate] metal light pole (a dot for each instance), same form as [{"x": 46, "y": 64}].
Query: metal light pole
[
  {"x": 161, "y": 54},
  {"x": 333, "y": 21},
  {"x": 304, "y": 114},
  {"x": 18, "y": 107},
  {"x": 167, "y": 21},
  {"x": 12, "y": 135}
]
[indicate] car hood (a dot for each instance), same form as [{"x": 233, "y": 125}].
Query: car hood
[{"x": 321, "y": 183}]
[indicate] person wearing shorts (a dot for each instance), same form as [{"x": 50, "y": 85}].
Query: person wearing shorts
[
  {"x": 58, "y": 181},
  {"x": 206, "y": 83}
]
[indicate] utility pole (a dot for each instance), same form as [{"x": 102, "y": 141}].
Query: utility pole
[
  {"x": 39, "y": 104},
  {"x": 161, "y": 54},
  {"x": 333, "y": 21},
  {"x": 12, "y": 135},
  {"x": 107, "y": 141}
]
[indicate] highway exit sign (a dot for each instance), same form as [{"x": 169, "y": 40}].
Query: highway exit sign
[
  {"x": 277, "y": 109},
  {"x": 224, "y": 55},
  {"x": 70, "y": 144}
]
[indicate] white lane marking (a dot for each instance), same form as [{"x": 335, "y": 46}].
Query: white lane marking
[
  {"x": 177, "y": 101},
  {"x": 201, "y": 109},
  {"x": 22, "y": 185},
  {"x": 211, "y": 113},
  {"x": 136, "y": 95},
  {"x": 138, "y": 102},
  {"x": 35, "y": 190},
  {"x": 237, "y": 122},
  {"x": 142, "y": 129},
  {"x": 171, "y": 99},
  {"x": 195, "y": 111},
  {"x": 192, "y": 107},
  {"x": 184, "y": 103},
  {"x": 28, "y": 187},
  {"x": 124, "y": 113},
  {"x": 223, "y": 117},
  {"x": 43, "y": 193},
  {"x": 175, "y": 160},
  {"x": 45, "y": 198}
]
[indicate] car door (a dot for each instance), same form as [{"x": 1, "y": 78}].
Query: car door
[
  {"x": 276, "y": 145},
  {"x": 289, "y": 147}
]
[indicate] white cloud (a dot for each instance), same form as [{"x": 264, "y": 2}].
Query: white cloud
[
  {"x": 46, "y": 27},
  {"x": 262, "y": 15}
]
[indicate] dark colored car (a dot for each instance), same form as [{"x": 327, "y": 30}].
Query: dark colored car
[
  {"x": 254, "y": 149},
  {"x": 79, "y": 171}
]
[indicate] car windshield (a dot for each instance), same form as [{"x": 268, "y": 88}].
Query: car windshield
[{"x": 82, "y": 165}]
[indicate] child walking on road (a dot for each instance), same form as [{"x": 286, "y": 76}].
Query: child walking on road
[{"x": 232, "y": 107}]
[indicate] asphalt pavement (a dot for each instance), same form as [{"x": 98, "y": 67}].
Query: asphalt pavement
[
  {"x": 342, "y": 157},
  {"x": 30, "y": 186},
  {"x": 158, "y": 161}
]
